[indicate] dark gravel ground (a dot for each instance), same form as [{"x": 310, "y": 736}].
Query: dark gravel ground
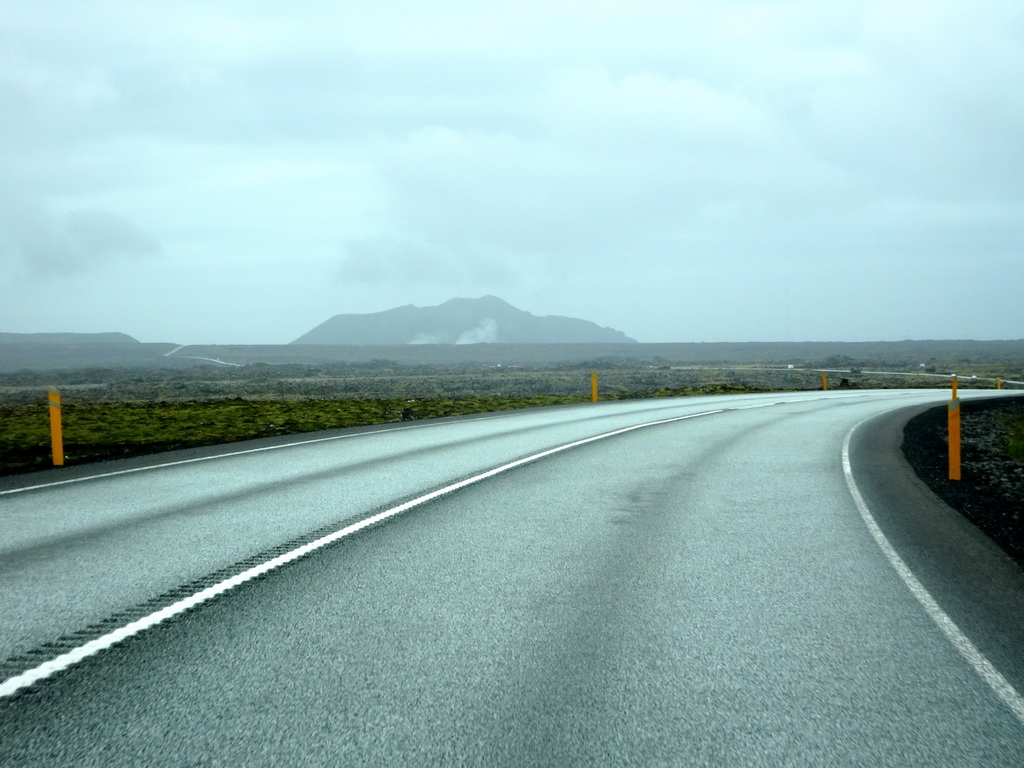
[{"x": 990, "y": 492}]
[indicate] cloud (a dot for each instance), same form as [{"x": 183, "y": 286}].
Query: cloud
[
  {"x": 424, "y": 338},
  {"x": 565, "y": 156},
  {"x": 377, "y": 262},
  {"x": 53, "y": 87},
  {"x": 485, "y": 333},
  {"x": 36, "y": 241}
]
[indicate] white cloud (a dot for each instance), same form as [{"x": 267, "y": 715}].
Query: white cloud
[
  {"x": 35, "y": 241},
  {"x": 50, "y": 87},
  {"x": 484, "y": 333},
  {"x": 368, "y": 156}
]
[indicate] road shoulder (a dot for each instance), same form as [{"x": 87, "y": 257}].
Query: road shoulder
[{"x": 974, "y": 581}]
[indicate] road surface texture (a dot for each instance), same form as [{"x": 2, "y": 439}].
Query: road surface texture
[{"x": 746, "y": 582}]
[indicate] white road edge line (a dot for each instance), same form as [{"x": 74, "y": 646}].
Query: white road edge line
[
  {"x": 981, "y": 665},
  {"x": 349, "y": 436},
  {"x": 166, "y": 464},
  {"x": 65, "y": 660}
]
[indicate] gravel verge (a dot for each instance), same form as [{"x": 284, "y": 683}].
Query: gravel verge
[{"x": 990, "y": 492}]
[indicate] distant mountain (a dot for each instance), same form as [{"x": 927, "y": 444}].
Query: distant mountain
[
  {"x": 459, "y": 321},
  {"x": 67, "y": 338}
]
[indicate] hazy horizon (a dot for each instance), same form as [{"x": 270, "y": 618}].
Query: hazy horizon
[
  {"x": 231, "y": 173},
  {"x": 416, "y": 342}
]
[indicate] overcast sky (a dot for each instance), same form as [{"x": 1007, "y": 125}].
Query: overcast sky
[{"x": 238, "y": 172}]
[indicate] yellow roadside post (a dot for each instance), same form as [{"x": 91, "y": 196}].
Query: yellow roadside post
[
  {"x": 56, "y": 433},
  {"x": 954, "y": 435},
  {"x": 954, "y": 439},
  {"x": 999, "y": 383},
  {"x": 824, "y": 381},
  {"x": 593, "y": 386}
]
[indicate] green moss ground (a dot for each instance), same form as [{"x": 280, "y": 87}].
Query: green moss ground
[
  {"x": 94, "y": 431},
  {"x": 1016, "y": 446}
]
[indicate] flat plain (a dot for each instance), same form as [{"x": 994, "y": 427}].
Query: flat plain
[{"x": 125, "y": 399}]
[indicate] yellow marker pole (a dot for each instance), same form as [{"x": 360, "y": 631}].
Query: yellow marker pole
[
  {"x": 593, "y": 387},
  {"x": 954, "y": 387},
  {"x": 824, "y": 381},
  {"x": 999, "y": 383},
  {"x": 56, "y": 433},
  {"x": 954, "y": 439}
]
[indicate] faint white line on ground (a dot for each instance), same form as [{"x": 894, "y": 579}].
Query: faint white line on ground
[
  {"x": 213, "y": 360},
  {"x": 207, "y": 359},
  {"x": 981, "y": 665},
  {"x": 65, "y": 660}
]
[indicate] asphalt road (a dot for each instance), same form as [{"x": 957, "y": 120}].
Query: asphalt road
[{"x": 710, "y": 590}]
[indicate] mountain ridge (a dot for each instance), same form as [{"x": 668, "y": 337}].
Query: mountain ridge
[
  {"x": 487, "y": 319},
  {"x": 67, "y": 338}
]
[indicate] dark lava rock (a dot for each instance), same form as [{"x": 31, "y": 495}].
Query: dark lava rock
[{"x": 990, "y": 492}]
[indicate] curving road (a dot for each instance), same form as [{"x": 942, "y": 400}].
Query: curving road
[{"x": 746, "y": 580}]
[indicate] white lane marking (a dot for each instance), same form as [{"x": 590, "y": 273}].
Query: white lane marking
[
  {"x": 981, "y": 665},
  {"x": 830, "y": 396},
  {"x": 59, "y": 663},
  {"x": 166, "y": 464},
  {"x": 227, "y": 455}
]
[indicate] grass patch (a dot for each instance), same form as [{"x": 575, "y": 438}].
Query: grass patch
[
  {"x": 1015, "y": 448},
  {"x": 97, "y": 431}
]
